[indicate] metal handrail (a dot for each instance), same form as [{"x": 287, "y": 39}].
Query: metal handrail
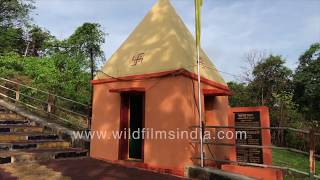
[
  {"x": 48, "y": 103},
  {"x": 259, "y": 146},
  {"x": 257, "y": 165},
  {"x": 271, "y": 128},
  {"x": 34, "y": 107},
  {"x": 48, "y": 93},
  {"x": 44, "y": 102},
  {"x": 256, "y": 146}
]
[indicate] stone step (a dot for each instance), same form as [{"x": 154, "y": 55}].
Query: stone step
[
  {"x": 39, "y": 144},
  {"x": 40, "y": 155},
  {"x": 4, "y": 122},
  {"x": 3, "y": 110},
  {"x": 22, "y": 140},
  {"x": 11, "y": 137},
  {"x": 10, "y": 116},
  {"x": 20, "y": 128}
]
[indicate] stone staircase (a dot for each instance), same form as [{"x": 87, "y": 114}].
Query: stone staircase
[{"x": 22, "y": 140}]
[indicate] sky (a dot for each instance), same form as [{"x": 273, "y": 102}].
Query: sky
[{"x": 230, "y": 28}]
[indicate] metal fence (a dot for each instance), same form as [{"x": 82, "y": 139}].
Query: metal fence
[
  {"x": 312, "y": 135},
  {"x": 54, "y": 107}
]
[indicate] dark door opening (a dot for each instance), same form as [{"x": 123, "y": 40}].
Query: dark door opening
[
  {"x": 209, "y": 107},
  {"x": 132, "y": 121}
]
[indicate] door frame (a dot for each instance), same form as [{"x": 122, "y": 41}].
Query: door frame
[{"x": 123, "y": 153}]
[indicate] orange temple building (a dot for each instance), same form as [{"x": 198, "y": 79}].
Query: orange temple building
[{"x": 150, "y": 82}]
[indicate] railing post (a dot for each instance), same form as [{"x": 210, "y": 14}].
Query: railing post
[
  {"x": 89, "y": 116},
  {"x": 312, "y": 164},
  {"x": 17, "y": 92},
  {"x": 49, "y": 103}
]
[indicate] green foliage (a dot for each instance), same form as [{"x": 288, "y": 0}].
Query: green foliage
[
  {"x": 64, "y": 66},
  {"x": 288, "y": 109},
  {"x": 43, "y": 73},
  {"x": 270, "y": 86},
  {"x": 241, "y": 96},
  {"x": 14, "y": 15},
  {"x": 307, "y": 84},
  {"x": 270, "y": 76},
  {"x": 39, "y": 41},
  {"x": 87, "y": 39},
  {"x": 12, "y": 40},
  {"x": 34, "y": 42},
  {"x": 10, "y": 66},
  {"x": 15, "y": 12}
]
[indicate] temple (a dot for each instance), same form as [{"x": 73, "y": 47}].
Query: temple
[{"x": 150, "y": 83}]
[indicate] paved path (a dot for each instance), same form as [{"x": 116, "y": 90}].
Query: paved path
[{"x": 76, "y": 169}]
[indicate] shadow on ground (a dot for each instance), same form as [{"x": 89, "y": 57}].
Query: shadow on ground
[
  {"x": 78, "y": 169},
  {"x": 88, "y": 168}
]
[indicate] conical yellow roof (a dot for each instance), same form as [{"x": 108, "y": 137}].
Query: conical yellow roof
[{"x": 161, "y": 42}]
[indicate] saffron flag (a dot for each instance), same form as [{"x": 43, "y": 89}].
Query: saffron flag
[{"x": 198, "y": 4}]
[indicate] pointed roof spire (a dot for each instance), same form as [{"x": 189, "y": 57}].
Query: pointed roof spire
[{"x": 161, "y": 42}]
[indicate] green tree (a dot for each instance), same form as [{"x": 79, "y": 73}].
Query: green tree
[
  {"x": 66, "y": 61},
  {"x": 12, "y": 40},
  {"x": 307, "y": 84},
  {"x": 39, "y": 41},
  {"x": 241, "y": 97},
  {"x": 270, "y": 76},
  {"x": 15, "y": 12},
  {"x": 87, "y": 39},
  {"x": 43, "y": 73},
  {"x": 75, "y": 77},
  {"x": 14, "y": 15}
]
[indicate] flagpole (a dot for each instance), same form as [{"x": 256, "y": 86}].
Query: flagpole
[
  {"x": 200, "y": 108},
  {"x": 198, "y": 4}
]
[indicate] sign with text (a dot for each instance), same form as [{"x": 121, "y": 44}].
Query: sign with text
[
  {"x": 249, "y": 119},
  {"x": 246, "y": 118}
]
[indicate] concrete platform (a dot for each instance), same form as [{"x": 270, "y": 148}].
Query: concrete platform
[
  {"x": 79, "y": 169},
  {"x": 196, "y": 172}
]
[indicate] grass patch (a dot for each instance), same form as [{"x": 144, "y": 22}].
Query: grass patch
[{"x": 292, "y": 160}]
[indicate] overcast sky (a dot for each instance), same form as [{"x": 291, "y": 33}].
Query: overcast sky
[{"x": 230, "y": 28}]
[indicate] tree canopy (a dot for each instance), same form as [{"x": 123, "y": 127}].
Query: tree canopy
[
  {"x": 270, "y": 76},
  {"x": 32, "y": 55},
  {"x": 15, "y": 12},
  {"x": 307, "y": 83}
]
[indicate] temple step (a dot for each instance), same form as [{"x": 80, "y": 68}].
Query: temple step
[
  {"x": 4, "y": 122},
  {"x": 20, "y": 128},
  {"x": 10, "y": 116},
  {"x": 4, "y": 137},
  {"x": 3, "y": 110},
  {"x": 40, "y": 155},
  {"x": 29, "y": 145},
  {"x": 23, "y": 140}
]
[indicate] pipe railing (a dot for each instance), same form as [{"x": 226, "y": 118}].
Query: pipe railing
[
  {"x": 258, "y": 165},
  {"x": 312, "y": 134},
  {"x": 65, "y": 113}
]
